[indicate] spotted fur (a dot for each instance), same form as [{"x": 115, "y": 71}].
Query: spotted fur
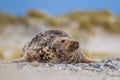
[{"x": 53, "y": 46}]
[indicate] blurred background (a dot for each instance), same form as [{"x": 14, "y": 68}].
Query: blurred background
[{"x": 95, "y": 24}]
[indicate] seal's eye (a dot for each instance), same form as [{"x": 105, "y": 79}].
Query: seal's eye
[{"x": 62, "y": 41}]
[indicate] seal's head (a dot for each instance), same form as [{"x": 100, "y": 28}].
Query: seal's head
[{"x": 65, "y": 45}]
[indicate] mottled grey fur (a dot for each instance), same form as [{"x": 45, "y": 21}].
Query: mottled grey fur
[{"x": 42, "y": 49}]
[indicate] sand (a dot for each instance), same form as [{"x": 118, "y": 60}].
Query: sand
[{"x": 108, "y": 69}]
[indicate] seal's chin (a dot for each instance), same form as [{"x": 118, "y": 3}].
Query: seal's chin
[
  {"x": 73, "y": 48},
  {"x": 76, "y": 47}
]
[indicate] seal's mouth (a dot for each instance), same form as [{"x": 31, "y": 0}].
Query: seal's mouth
[{"x": 75, "y": 44}]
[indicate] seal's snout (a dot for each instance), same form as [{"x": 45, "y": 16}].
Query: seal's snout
[{"x": 75, "y": 43}]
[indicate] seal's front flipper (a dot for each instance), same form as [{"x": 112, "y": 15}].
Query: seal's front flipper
[
  {"x": 88, "y": 60},
  {"x": 84, "y": 59}
]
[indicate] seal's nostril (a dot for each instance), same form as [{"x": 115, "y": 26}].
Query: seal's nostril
[{"x": 75, "y": 42}]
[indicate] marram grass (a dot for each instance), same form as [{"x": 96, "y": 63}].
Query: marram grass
[{"x": 87, "y": 20}]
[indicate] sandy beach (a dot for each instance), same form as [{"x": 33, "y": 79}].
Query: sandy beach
[{"x": 108, "y": 69}]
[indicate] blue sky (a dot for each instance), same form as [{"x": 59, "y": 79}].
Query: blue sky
[{"x": 58, "y": 6}]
